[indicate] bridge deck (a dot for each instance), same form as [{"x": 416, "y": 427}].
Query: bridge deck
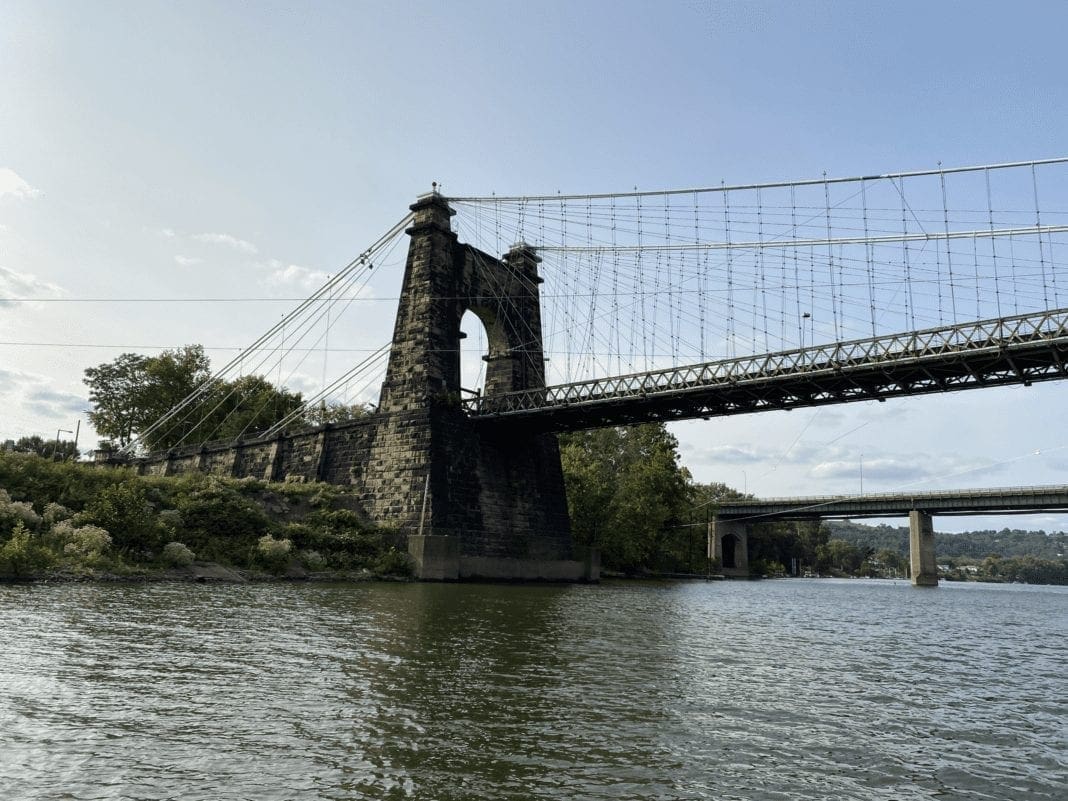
[
  {"x": 1010, "y": 350},
  {"x": 946, "y": 502}
]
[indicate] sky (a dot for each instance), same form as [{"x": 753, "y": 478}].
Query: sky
[{"x": 154, "y": 155}]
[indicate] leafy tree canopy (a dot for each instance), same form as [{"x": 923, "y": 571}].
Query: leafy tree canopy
[
  {"x": 626, "y": 491},
  {"x": 131, "y": 392},
  {"x": 336, "y": 413},
  {"x": 63, "y": 451}
]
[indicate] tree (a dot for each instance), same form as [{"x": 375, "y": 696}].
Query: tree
[
  {"x": 336, "y": 413},
  {"x": 242, "y": 408},
  {"x": 841, "y": 556},
  {"x": 49, "y": 448},
  {"x": 133, "y": 391},
  {"x": 627, "y": 492},
  {"x": 117, "y": 393}
]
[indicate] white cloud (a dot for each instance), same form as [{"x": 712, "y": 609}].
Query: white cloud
[
  {"x": 11, "y": 183},
  {"x": 230, "y": 241},
  {"x": 187, "y": 261},
  {"x": 293, "y": 275},
  {"x": 15, "y": 284},
  {"x": 727, "y": 454},
  {"x": 303, "y": 383},
  {"x": 167, "y": 232},
  {"x": 902, "y": 471},
  {"x": 33, "y": 396}
]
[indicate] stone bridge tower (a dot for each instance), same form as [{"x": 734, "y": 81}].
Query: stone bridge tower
[{"x": 476, "y": 501}]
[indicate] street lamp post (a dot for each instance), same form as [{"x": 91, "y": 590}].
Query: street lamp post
[{"x": 55, "y": 448}]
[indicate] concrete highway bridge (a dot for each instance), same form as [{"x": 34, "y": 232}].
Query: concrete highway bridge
[{"x": 728, "y": 533}]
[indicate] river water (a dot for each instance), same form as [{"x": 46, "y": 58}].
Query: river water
[{"x": 787, "y": 689}]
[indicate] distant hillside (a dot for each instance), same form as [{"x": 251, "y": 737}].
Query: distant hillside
[{"x": 969, "y": 544}]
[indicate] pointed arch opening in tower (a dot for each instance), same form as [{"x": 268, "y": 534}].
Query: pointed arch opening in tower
[{"x": 474, "y": 345}]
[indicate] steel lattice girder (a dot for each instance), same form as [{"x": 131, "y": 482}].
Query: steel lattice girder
[{"x": 1015, "y": 350}]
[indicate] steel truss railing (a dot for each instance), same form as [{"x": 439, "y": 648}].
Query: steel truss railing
[{"x": 933, "y": 345}]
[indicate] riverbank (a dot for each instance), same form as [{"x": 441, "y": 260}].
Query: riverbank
[
  {"x": 201, "y": 573},
  {"x": 75, "y": 522}
]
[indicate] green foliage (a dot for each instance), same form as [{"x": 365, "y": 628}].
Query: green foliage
[
  {"x": 131, "y": 392},
  {"x": 154, "y": 520},
  {"x": 220, "y": 524},
  {"x": 54, "y": 513},
  {"x": 340, "y": 519},
  {"x": 127, "y": 515},
  {"x": 336, "y": 413},
  {"x": 23, "y": 554},
  {"x": 118, "y": 394},
  {"x": 176, "y": 554},
  {"x": 840, "y": 557},
  {"x": 61, "y": 450},
  {"x": 313, "y": 560},
  {"x": 969, "y": 544},
  {"x": 15, "y": 513},
  {"x": 241, "y": 408},
  {"x": 626, "y": 492},
  {"x": 393, "y": 563},
  {"x": 84, "y": 543},
  {"x": 273, "y": 554},
  {"x": 342, "y": 541},
  {"x": 40, "y": 481}
]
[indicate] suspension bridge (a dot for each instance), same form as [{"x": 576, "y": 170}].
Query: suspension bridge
[{"x": 522, "y": 316}]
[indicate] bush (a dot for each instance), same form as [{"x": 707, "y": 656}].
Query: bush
[
  {"x": 124, "y": 511},
  {"x": 220, "y": 525},
  {"x": 177, "y": 554},
  {"x": 14, "y": 512},
  {"x": 273, "y": 554},
  {"x": 41, "y": 481},
  {"x": 313, "y": 560},
  {"x": 86, "y": 543},
  {"x": 23, "y": 554},
  {"x": 55, "y": 512},
  {"x": 338, "y": 519},
  {"x": 393, "y": 563},
  {"x": 170, "y": 519}
]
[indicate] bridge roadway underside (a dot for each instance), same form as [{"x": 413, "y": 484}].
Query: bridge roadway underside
[
  {"x": 778, "y": 381},
  {"x": 1005, "y": 500}
]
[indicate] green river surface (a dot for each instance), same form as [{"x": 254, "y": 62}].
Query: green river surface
[{"x": 789, "y": 689}]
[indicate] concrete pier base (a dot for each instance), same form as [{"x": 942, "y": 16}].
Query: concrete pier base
[
  {"x": 436, "y": 558},
  {"x": 729, "y": 545},
  {"x": 439, "y": 558},
  {"x": 923, "y": 567}
]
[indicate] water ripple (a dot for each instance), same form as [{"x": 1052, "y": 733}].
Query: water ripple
[{"x": 774, "y": 690}]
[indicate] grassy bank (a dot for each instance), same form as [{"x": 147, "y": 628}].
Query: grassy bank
[{"x": 69, "y": 521}]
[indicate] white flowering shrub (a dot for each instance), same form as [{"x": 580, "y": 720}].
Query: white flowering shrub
[
  {"x": 55, "y": 512},
  {"x": 14, "y": 512},
  {"x": 86, "y": 542},
  {"x": 177, "y": 554},
  {"x": 272, "y": 549}
]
